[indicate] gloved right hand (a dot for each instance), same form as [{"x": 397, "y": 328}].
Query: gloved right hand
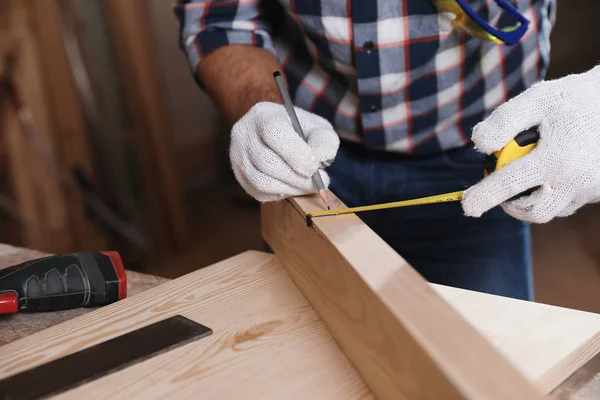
[
  {"x": 271, "y": 161},
  {"x": 564, "y": 165}
]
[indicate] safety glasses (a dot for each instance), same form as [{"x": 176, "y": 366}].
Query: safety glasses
[{"x": 468, "y": 21}]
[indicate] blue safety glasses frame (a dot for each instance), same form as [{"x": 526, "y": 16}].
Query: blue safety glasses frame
[{"x": 471, "y": 23}]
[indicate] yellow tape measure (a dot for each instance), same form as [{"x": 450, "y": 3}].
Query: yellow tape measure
[{"x": 521, "y": 145}]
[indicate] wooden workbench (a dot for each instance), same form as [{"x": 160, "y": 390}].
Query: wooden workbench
[{"x": 257, "y": 314}]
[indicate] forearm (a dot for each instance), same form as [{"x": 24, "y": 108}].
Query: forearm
[{"x": 237, "y": 77}]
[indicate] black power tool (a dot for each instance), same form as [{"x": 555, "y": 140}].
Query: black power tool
[{"x": 61, "y": 282}]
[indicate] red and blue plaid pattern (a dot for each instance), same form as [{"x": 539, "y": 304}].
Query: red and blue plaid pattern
[{"x": 391, "y": 74}]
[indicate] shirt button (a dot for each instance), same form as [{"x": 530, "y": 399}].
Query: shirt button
[
  {"x": 373, "y": 108},
  {"x": 369, "y": 46}
]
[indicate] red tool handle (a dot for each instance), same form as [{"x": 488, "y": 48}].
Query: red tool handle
[{"x": 8, "y": 303}]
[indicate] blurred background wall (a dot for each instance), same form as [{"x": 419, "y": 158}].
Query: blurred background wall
[
  {"x": 114, "y": 103},
  {"x": 575, "y": 39},
  {"x": 200, "y": 137}
]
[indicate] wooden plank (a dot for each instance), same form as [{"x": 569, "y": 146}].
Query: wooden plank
[
  {"x": 133, "y": 40},
  {"x": 69, "y": 126},
  {"x": 403, "y": 338},
  {"x": 111, "y": 129},
  {"x": 35, "y": 189},
  {"x": 268, "y": 342},
  {"x": 546, "y": 343},
  {"x": 584, "y": 384},
  {"x": 7, "y": 47}
]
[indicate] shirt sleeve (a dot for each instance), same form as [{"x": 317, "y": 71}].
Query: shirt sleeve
[{"x": 206, "y": 25}]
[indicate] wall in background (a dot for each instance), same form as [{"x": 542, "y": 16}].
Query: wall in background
[
  {"x": 575, "y": 40},
  {"x": 200, "y": 137}
]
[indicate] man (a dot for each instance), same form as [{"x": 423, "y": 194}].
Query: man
[{"x": 402, "y": 87}]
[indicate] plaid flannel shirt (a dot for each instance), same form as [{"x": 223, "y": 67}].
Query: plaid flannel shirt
[{"x": 391, "y": 74}]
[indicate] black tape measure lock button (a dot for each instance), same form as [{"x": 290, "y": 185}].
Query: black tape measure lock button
[{"x": 521, "y": 145}]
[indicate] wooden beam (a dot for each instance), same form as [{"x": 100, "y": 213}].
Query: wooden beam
[
  {"x": 44, "y": 222},
  {"x": 69, "y": 125},
  {"x": 115, "y": 145},
  {"x": 402, "y": 337},
  {"x": 136, "y": 58}
]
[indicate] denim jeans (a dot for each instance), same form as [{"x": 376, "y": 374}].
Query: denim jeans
[{"x": 488, "y": 254}]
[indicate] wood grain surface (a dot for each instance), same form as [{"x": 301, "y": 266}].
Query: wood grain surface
[
  {"x": 267, "y": 343},
  {"x": 544, "y": 342},
  {"x": 129, "y": 22},
  {"x": 43, "y": 216},
  {"x": 403, "y": 338},
  {"x": 70, "y": 128}
]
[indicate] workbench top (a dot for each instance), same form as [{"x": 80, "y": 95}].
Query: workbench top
[
  {"x": 255, "y": 310},
  {"x": 17, "y": 326}
]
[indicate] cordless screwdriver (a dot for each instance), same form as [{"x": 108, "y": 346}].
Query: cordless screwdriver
[{"x": 61, "y": 282}]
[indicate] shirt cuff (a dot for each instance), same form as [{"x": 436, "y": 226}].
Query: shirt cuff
[{"x": 202, "y": 44}]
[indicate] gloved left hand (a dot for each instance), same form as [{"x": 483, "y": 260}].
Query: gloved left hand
[{"x": 565, "y": 164}]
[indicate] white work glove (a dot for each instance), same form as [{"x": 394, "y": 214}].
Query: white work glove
[
  {"x": 566, "y": 161},
  {"x": 271, "y": 161}
]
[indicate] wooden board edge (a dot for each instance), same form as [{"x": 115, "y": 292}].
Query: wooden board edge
[
  {"x": 377, "y": 314},
  {"x": 570, "y": 365}
]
